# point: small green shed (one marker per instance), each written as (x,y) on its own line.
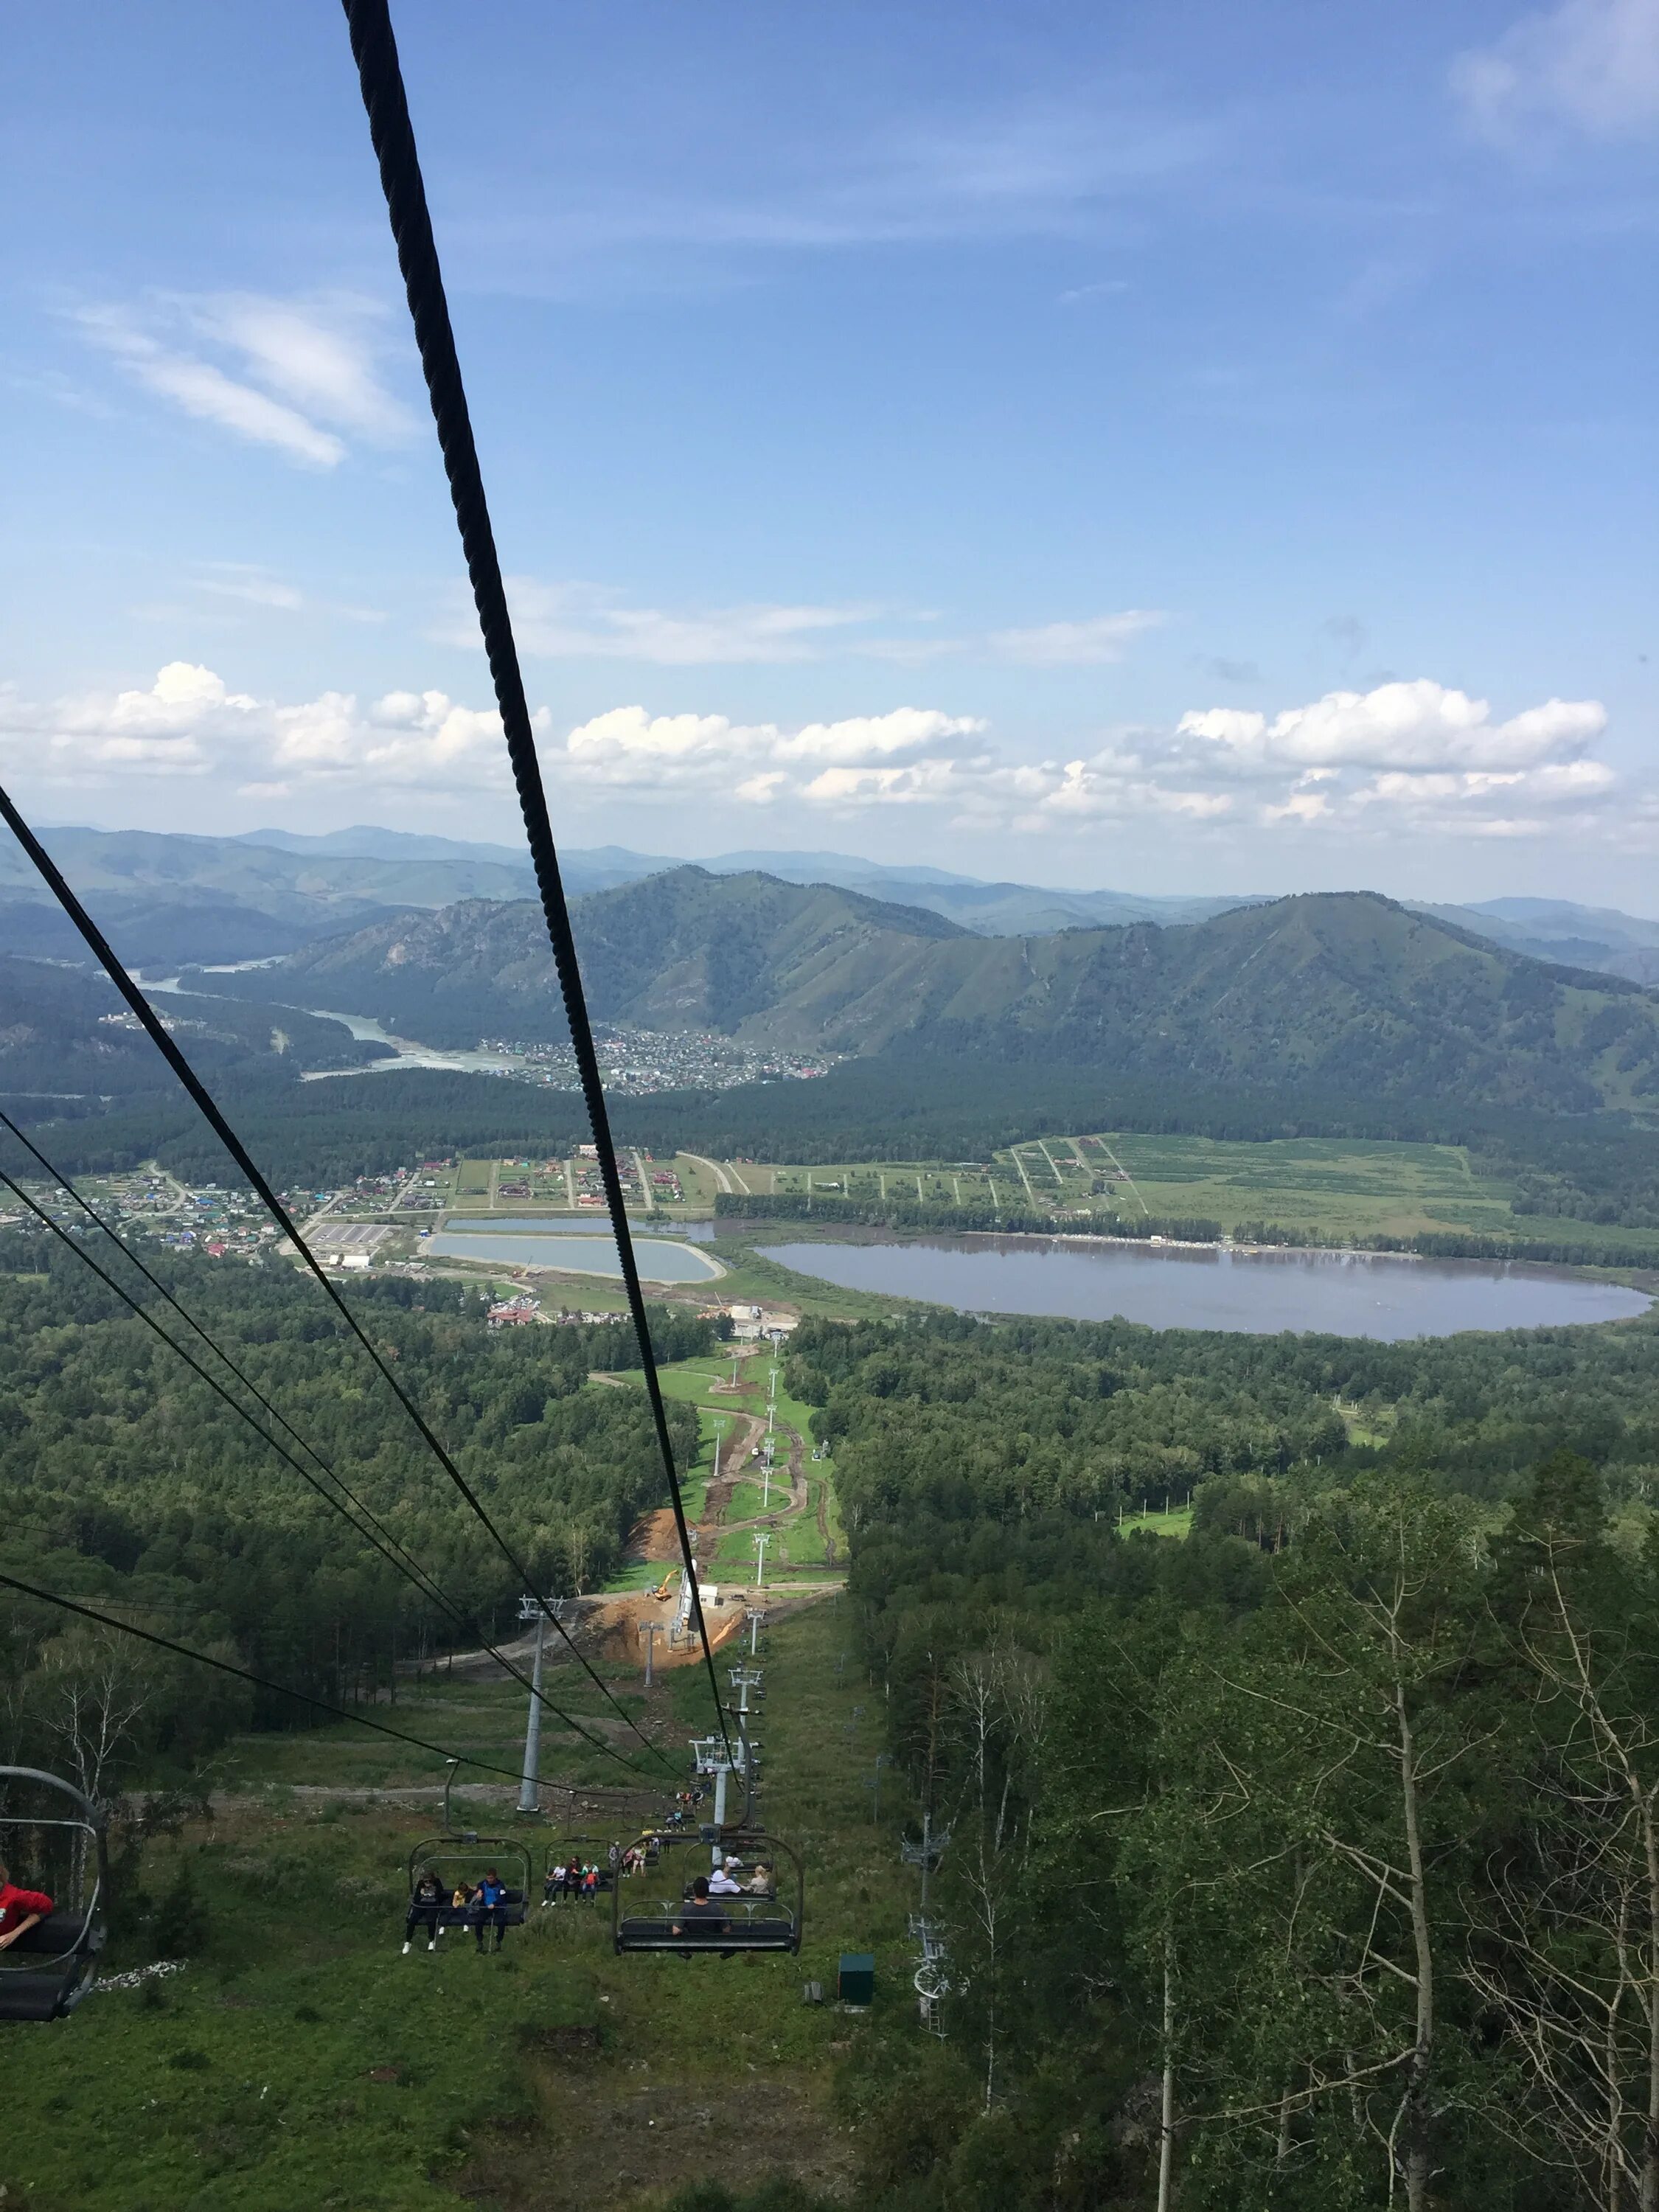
(856,1983)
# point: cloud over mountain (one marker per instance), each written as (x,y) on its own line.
(1404,758)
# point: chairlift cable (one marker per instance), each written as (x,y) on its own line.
(374,50)
(208,1107)
(244,1674)
(391,1550)
(79,1197)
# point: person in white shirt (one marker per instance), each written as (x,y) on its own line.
(721,1883)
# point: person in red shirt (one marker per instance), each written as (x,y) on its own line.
(19,1908)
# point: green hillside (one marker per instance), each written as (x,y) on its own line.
(687,949)
(1345,994)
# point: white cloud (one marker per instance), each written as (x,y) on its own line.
(318,354)
(188,723)
(299,367)
(625,195)
(256,590)
(1405,760)
(630,749)
(567,622)
(578,621)
(1076,644)
(1587,66)
(1418,724)
(254,587)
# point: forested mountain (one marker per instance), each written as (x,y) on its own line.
(686,950)
(168,899)
(1346,995)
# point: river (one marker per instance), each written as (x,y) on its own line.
(364,1029)
(1185,1286)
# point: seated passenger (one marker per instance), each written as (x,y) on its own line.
(426,1903)
(759,1883)
(720,1884)
(490,1899)
(698,1915)
(19,1908)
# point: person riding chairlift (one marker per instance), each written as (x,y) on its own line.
(699,1915)
(489,1903)
(721,1883)
(425,1907)
(20,1908)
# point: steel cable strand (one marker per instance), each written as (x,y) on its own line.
(208,1107)
(391,1550)
(58,1176)
(374,50)
(244,1674)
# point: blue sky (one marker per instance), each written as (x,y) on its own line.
(1171,446)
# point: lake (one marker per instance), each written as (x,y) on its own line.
(575,1254)
(1337,1293)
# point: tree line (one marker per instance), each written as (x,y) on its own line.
(131,1486)
(1312,1862)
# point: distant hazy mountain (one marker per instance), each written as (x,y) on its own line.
(987,909)
(1346,993)
(1575,936)
(596,869)
(165,900)
(169,899)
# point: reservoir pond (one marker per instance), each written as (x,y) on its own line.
(659,1261)
(1183,1287)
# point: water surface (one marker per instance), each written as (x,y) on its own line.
(659,1261)
(1338,1293)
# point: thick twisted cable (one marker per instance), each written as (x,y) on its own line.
(208,1107)
(374,49)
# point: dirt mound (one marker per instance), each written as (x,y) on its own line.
(654,1537)
(610,1628)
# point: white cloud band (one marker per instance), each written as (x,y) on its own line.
(1415,759)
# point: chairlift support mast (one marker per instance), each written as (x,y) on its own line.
(532,1608)
(926,1854)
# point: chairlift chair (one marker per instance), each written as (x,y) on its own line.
(467,1858)
(591,1851)
(770,1923)
(47,1971)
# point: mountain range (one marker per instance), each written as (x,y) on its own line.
(169,899)
(1344,994)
